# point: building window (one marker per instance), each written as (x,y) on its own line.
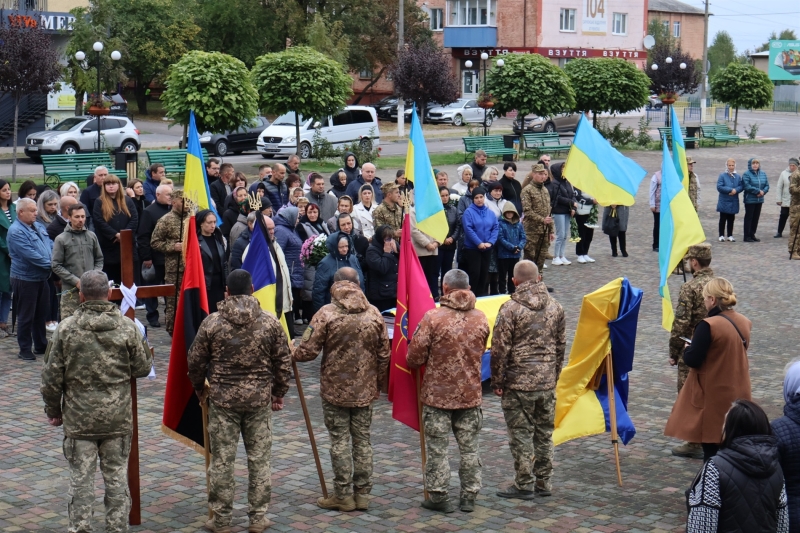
(619,25)
(676,29)
(666,25)
(566,22)
(562,61)
(365,74)
(437,19)
(471,13)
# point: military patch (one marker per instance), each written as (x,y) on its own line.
(680,312)
(308,332)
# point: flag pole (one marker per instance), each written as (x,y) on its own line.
(207,452)
(612,412)
(421,430)
(310,430)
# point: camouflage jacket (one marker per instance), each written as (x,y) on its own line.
(693,188)
(355,347)
(166,234)
(535,208)
(387,216)
(794,188)
(243,352)
(451,340)
(528,341)
(88,368)
(689,312)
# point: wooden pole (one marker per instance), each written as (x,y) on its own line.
(310,430)
(612,412)
(204,408)
(421,430)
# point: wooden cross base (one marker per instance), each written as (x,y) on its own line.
(150,291)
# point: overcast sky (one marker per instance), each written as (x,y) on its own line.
(750,22)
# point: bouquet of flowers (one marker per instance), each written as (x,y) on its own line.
(574,236)
(592,221)
(454,198)
(313,250)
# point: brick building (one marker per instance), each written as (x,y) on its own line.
(684,23)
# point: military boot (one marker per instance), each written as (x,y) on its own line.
(467,504)
(692,450)
(515,493)
(259,526)
(444,506)
(542,487)
(346,504)
(362,501)
(216,529)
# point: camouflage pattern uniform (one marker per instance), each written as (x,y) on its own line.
(86,382)
(693,188)
(794,214)
(74,252)
(244,354)
(535,208)
(451,340)
(388,216)
(528,345)
(168,232)
(691,309)
(351,335)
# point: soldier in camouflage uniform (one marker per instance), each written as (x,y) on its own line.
(168,239)
(243,352)
(86,387)
(794,215)
(690,311)
(537,220)
(528,347)
(390,212)
(694,185)
(351,335)
(451,340)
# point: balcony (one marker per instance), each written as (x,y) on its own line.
(470,36)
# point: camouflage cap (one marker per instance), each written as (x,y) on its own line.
(690,160)
(538,167)
(176,194)
(386,188)
(700,251)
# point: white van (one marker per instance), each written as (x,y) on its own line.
(355,123)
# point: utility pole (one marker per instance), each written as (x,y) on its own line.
(705,66)
(401,108)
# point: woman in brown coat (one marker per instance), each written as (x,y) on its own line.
(718,370)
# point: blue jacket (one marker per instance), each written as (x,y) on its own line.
(479,225)
(754,181)
(355,185)
(238,248)
(290,242)
(787,430)
(725,184)
(150,185)
(510,235)
(31,251)
(323,279)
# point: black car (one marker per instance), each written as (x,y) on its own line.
(242,140)
(384,107)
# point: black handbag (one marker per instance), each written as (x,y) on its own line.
(611,224)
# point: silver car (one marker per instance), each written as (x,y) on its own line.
(460,112)
(560,122)
(79,134)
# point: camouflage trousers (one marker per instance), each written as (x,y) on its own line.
(794,222)
(70,300)
(536,250)
(683,373)
(352,466)
(530,417)
(466,425)
(82,458)
(170,302)
(224,428)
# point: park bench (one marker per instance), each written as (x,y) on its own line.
(61,168)
(491,144)
(666,134)
(174,161)
(719,132)
(545,142)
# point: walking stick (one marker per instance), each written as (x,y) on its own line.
(612,411)
(421,431)
(207,451)
(310,430)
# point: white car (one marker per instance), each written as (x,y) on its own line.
(354,124)
(74,135)
(460,112)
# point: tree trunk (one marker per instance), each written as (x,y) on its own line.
(78,104)
(735,120)
(594,119)
(14,149)
(140,92)
(297,131)
(185,136)
(369,86)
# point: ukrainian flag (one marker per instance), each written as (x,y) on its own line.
(599,170)
(680,228)
(679,150)
(195,186)
(431,219)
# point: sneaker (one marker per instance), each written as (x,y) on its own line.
(444,506)
(545,265)
(27,356)
(346,504)
(588,259)
(298,321)
(518,494)
(565,261)
(541,488)
(467,505)
(777,236)
(692,450)
(557,262)
(51,326)
(581,260)
(362,501)
(721,238)
(3,333)
(209,525)
(731,239)
(259,526)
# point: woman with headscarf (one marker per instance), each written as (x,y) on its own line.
(113,212)
(787,431)
(310,224)
(338,184)
(464,177)
(235,210)
(212,251)
(341,253)
(350,169)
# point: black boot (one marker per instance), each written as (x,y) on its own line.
(444,506)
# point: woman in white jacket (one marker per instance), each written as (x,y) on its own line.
(784,197)
(362,211)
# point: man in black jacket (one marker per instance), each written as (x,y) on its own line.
(148,256)
(92,193)
(221,188)
(56,227)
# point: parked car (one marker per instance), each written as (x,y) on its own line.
(653,101)
(460,112)
(79,134)
(383,107)
(409,107)
(354,124)
(561,122)
(242,140)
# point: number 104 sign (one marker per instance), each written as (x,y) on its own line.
(594,17)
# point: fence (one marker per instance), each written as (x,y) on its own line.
(713,114)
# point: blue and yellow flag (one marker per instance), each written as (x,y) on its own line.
(680,228)
(195,185)
(599,170)
(679,150)
(431,219)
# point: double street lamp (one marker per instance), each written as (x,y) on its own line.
(81,57)
(484,59)
(654,67)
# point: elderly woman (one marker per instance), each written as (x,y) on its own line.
(480,235)
(464,176)
(69,188)
(729,187)
(362,211)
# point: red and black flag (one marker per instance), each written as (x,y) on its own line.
(183,419)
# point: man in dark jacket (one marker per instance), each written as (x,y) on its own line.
(327,203)
(382,262)
(153,175)
(60,221)
(221,188)
(92,193)
(212,169)
(367,176)
(274,183)
(149,257)
(478,165)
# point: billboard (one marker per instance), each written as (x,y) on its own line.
(784,60)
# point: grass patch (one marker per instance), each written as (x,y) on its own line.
(399,161)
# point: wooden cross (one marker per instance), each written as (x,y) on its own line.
(149,291)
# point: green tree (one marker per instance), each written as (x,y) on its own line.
(329,39)
(302,80)
(742,86)
(607,85)
(785,35)
(721,53)
(216,86)
(529,83)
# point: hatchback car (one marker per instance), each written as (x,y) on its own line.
(535,124)
(79,134)
(460,112)
(242,140)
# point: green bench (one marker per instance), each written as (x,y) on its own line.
(61,168)
(491,144)
(174,161)
(545,142)
(719,132)
(666,133)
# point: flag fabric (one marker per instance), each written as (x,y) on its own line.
(427,203)
(607,323)
(680,228)
(599,170)
(679,150)
(182,419)
(195,184)
(414,299)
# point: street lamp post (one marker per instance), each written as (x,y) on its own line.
(655,67)
(484,59)
(81,57)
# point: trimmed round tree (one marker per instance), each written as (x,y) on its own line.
(741,85)
(302,80)
(215,86)
(670,79)
(529,83)
(607,85)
